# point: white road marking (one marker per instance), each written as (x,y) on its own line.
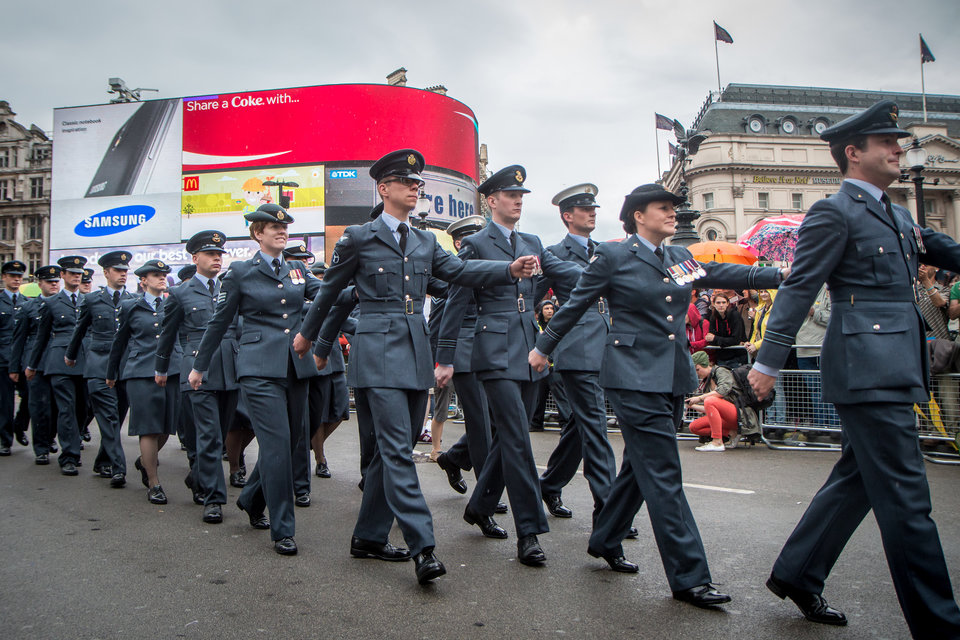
(691,485)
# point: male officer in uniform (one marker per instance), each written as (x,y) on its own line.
(471,450)
(10,301)
(390,359)
(867,250)
(505,331)
(84,406)
(186,313)
(577,359)
(39,396)
(100,317)
(57,322)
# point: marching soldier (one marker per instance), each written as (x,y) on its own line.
(132,359)
(99,318)
(10,301)
(40,398)
(58,319)
(390,359)
(187,311)
(867,250)
(505,328)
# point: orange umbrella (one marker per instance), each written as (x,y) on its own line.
(714,251)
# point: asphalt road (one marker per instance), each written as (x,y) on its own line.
(82,560)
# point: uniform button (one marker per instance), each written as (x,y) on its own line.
(671,337)
(908,256)
(406,297)
(405,259)
(880,250)
(279,285)
(669,318)
(158,336)
(154,324)
(284,315)
(669,298)
(283,301)
(380,269)
(876,327)
(406,277)
(616,342)
(666,279)
(286,330)
(154,313)
(901,236)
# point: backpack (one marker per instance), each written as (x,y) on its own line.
(746,396)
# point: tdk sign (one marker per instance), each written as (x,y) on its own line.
(114,220)
(343,173)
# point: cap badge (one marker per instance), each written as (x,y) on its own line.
(123,256)
(279,215)
(76,261)
(519,176)
(160,264)
(215,237)
(411,159)
(893,115)
(303,247)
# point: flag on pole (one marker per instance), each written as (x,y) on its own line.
(722,34)
(663,122)
(925,54)
(674,149)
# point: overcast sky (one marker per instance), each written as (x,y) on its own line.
(567,89)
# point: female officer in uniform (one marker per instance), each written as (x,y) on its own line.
(646,372)
(268,293)
(153,415)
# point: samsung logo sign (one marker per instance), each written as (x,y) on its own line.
(114,220)
(343,173)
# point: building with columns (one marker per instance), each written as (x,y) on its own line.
(25,171)
(763,156)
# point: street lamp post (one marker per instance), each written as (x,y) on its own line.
(686,234)
(916,158)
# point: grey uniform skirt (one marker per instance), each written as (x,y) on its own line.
(153,409)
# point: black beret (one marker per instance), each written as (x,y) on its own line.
(187,272)
(644,194)
(153,266)
(47,272)
(580,195)
(115,259)
(405,163)
(209,240)
(269,213)
(507,179)
(13,268)
(879,119)
(73,264)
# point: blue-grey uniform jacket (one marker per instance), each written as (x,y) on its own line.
(27,322)
(341,319)
(582,348)
(8,314)
(134,351)
(506,325)
(646,349)
(391,348)
(270,308)
(186,313)
(874,348)
(58,319)
(99,320)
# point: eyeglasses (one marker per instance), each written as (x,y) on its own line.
(407,182)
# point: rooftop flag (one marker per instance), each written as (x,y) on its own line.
(722,34)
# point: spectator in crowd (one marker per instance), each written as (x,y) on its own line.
(726,332)
(760,320)
(809,338)
(701,298)
(719,421)
(552,383)
(934,302)
(697,329)
(747,307)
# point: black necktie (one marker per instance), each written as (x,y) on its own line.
(116,298)
(276,266)
(212,287)
(513,241)
(156,303)
(403,230)
(885,201)
(591,246)
(659,253)
(73,298)
(14,299)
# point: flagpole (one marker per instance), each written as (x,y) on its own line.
(656,138)
(716,51)
(923,90)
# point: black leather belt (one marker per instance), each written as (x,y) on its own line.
(408,307)
(496,306)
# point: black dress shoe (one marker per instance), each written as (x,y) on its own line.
(556,508)
(69,469)
(156,495)
(53,447)
(487,525)
(632,534)
(618,563)
(4,451)
(237,480)
(104,471)
(43,458)
(427,566)
(454,477)
(500,508)
(257,520)
(85,435)
(285,547)
(812,605)
(360,484)
(704,596)
(302,501)
(212,513)
(118,481)
(22,439)
(529,551)
(323,471)
(144,478)
(381,551)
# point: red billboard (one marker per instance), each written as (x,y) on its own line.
(328,123)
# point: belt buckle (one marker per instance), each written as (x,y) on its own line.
(601,305)
(408,307)
(521,305)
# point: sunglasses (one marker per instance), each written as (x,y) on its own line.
(407,182)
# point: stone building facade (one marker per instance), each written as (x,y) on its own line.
(763,155)
(25,175)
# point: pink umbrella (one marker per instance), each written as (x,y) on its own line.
(785,220)
(774,238)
